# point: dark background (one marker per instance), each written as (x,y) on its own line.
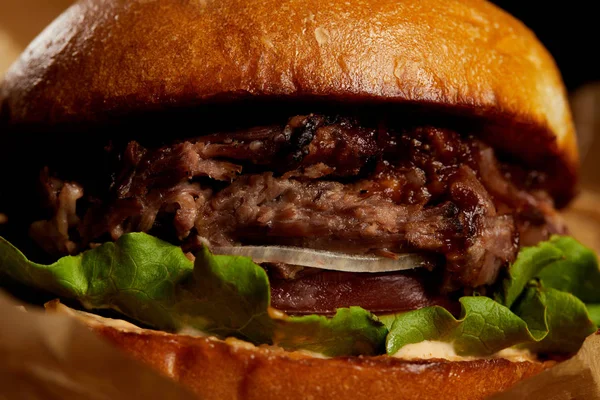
(569,29)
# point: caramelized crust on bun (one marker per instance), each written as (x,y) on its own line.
(233,369)
(465,58)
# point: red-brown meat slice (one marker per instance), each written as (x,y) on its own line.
(323,292)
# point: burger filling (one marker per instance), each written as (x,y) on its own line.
(320,183)
(437,211)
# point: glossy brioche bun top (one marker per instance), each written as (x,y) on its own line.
(465,58)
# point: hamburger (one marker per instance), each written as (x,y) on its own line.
(300,199)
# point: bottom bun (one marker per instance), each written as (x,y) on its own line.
(233,369)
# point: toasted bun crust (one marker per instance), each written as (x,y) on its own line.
(219,370)
(463,57)
(233,369)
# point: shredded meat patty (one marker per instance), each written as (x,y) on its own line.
(323,183)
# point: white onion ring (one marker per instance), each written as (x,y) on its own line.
(323,259)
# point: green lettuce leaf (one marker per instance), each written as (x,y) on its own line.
(544,320)
(138,276)
(352,331)
(594,313)
(560,263)
(388,320)
(483,328)
(577,271)
(227,296)
(153,282)
(529,263)
(561,319)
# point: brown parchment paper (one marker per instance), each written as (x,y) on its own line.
(51,356)
(577,378)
